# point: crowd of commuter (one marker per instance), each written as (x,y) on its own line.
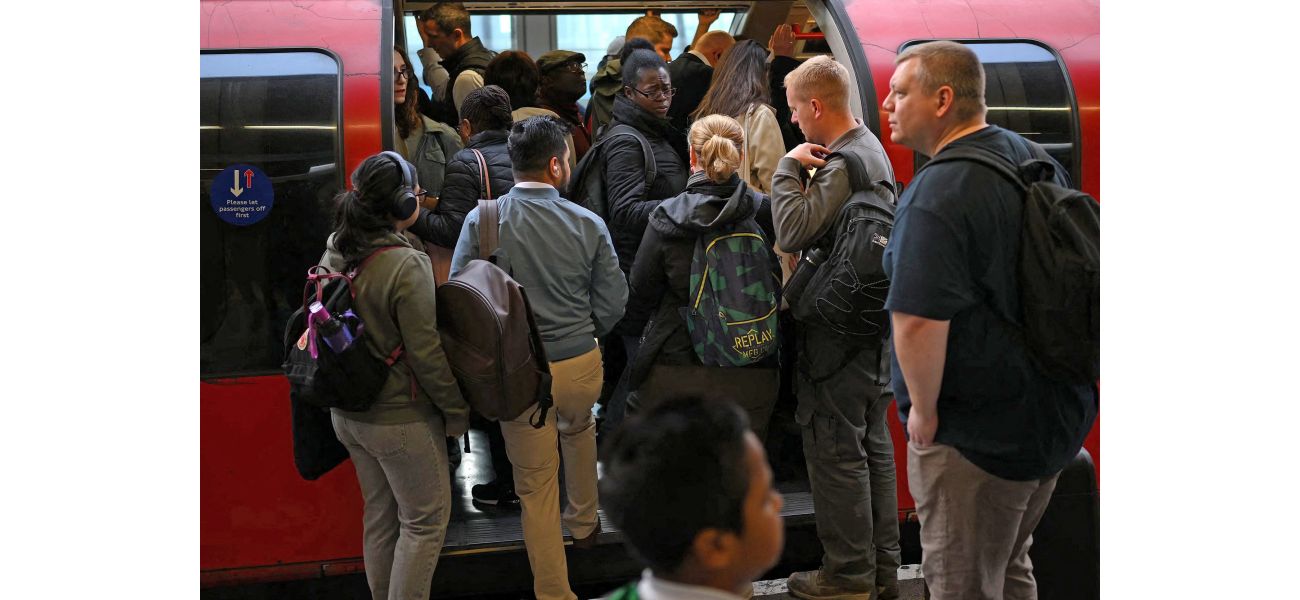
(741,138)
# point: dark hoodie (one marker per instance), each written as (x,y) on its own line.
(660,279)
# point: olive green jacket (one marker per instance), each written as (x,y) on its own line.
(395,299)
(429,148)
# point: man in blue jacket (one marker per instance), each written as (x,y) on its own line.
(562,254)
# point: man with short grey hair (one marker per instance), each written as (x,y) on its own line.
(988,433)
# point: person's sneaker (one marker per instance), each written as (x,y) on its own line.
(809,586)
(494,494)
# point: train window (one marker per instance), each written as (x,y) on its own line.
(1028,91)
(278,111)
(497,32)
(591,34)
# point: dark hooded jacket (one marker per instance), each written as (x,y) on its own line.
(630,202)
(462,187)
(660,280)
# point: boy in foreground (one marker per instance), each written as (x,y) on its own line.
(690,487)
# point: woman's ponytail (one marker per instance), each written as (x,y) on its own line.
(717,141)
(362,213)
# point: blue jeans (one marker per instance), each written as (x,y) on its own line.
(402,470)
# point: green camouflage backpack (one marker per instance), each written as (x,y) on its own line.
(732,317)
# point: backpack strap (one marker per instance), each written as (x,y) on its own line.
(651,167)
(858,179)
(489,229)
(997,163)
(859,176)
(365,261)
(483,172)
(544,398)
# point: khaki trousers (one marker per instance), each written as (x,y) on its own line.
(976,528)
(575,388)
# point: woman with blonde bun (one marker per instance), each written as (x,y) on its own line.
(716,198)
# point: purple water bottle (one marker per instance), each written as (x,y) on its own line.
(334,332)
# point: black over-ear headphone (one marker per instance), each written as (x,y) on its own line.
(404,201)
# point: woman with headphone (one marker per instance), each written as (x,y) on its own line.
(398,446)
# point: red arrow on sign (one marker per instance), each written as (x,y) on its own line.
(248,178)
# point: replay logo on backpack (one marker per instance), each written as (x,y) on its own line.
(242,195)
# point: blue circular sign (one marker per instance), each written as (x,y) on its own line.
(242,195)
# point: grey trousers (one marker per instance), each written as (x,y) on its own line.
(402,470)
(850,456)
(976,528)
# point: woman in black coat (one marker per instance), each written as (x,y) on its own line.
(484,127)
(647,94)
(643,106)
(716,198)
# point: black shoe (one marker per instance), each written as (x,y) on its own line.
(493,494)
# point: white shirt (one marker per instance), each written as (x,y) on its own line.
(702,57)
(654,588)
(533,184)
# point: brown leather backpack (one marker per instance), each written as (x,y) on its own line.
(491,339)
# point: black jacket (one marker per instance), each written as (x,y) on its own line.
(659,284)
(462,187)
(470,57)
(628,201)
(691,77)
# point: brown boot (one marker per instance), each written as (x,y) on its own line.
(810,586)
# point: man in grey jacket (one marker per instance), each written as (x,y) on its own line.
(841,408)
(562,254)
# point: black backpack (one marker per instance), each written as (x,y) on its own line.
(840,285)
(587,185)
(1059,267)
(318,376)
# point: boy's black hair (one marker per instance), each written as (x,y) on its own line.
(640,60)
(672,472)
(533,141)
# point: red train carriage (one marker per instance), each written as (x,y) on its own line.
(299,90)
